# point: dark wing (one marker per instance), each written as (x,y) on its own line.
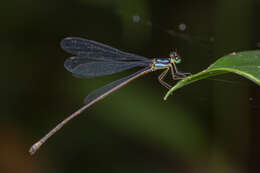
(83,67)
(94,50)
(100,93)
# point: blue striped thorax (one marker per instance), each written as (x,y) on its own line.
(161,63)
(162,60)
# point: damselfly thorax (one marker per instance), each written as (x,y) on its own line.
(168,64)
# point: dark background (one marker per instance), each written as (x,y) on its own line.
(209,126)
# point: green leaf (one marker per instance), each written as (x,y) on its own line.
(246,64)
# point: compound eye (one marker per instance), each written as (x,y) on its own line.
(177,59)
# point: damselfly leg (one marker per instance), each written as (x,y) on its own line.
(177,75)
(161,79)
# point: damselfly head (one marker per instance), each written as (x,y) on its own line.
(175,58)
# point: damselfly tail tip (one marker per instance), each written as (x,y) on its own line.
(32,151)
(35,147)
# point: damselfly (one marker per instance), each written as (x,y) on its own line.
(94,59)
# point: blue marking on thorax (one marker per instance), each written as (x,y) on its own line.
(162,61)
(160,65)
